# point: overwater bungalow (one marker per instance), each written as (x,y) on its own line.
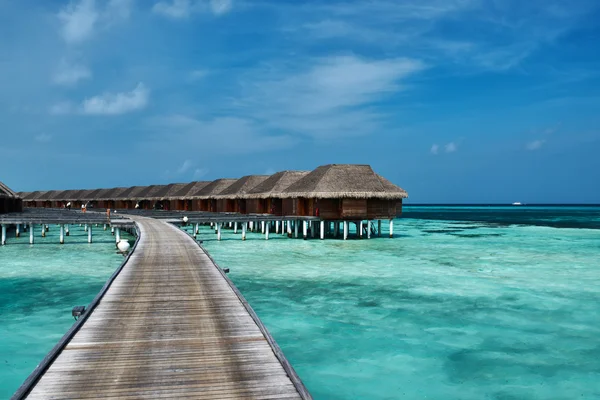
(232,198)
(9,200)
(206,197)
(183,198)
(127,199)
(343,192)
(265,197)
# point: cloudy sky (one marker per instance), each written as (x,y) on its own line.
(454,100)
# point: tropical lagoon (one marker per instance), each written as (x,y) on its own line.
(463,303)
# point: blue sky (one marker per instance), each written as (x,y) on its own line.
(455,101)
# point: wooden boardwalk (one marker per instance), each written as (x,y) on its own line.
(170,326)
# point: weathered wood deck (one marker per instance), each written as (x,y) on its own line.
(170,326)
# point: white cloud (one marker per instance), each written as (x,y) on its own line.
(223,135)
(435,149)
(43,138)
(119,103)
(78,20)
(187,164)
(198,74)
(332,97)
(536,144)
(175,9)
(450,147)
(200,172)
(220,7)
(61,108)
(70,74)
(180,9)
(118,9)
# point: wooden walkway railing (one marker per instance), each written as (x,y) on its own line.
(171,325)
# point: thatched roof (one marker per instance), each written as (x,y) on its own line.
(38,195)
(110,194)
(90,194)
(56,194)
(212,189)
(275,184)
(145,193)
(6,192)
(23,195)
(186,191)
(131,193)
(390,187)
(239,188)
(337,181)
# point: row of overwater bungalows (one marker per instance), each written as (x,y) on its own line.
(331,192)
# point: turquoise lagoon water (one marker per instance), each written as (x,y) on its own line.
(463,303)
(39,285)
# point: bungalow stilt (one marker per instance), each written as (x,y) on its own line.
(3,242)
(62,234)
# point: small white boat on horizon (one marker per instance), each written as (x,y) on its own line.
(516,203)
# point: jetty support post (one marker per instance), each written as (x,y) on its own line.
(219,225)
(18,230)
(62,234)
(112,230)
(90,233)
(66,229)
(267,230)
(360,230)
(244,230)
(379,227)
(104,226)
(304,229)
(235,227)
(276,227)
(85,227)
(289,227)
(262,226)
(369,229)
(196,229)
(43,230)
(345,230)
(391,228)
(31,233)
(322,230)
(296,229)
(3,235)
(117,235)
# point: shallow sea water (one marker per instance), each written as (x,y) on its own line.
(448,309)
(39,285)
(481,303)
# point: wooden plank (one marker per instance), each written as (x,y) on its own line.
(171,325)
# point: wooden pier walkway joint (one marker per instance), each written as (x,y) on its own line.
(170,325)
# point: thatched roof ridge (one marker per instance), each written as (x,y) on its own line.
(239,188)
(336,181)
(74,195)
(110,194)
(275,184)
(188,190)
(212,189)
(5,192)
(24,195)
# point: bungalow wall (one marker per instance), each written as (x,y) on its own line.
(328,208)
(354,209)
(8,205)
(382,209)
